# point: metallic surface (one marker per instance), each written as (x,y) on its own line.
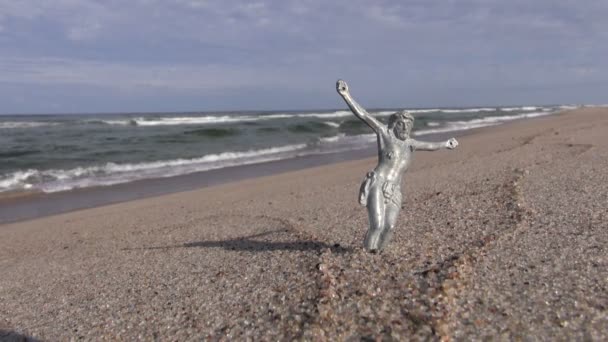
(381,188)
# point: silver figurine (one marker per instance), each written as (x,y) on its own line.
(381,189)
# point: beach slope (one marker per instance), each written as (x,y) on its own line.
(504,237)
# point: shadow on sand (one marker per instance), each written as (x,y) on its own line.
(247,243)
(11,336)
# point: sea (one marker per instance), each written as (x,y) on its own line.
(54,153)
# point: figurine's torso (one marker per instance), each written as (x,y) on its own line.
(394,156)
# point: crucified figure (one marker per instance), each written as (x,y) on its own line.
(381,189)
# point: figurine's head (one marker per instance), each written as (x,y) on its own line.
(401,124)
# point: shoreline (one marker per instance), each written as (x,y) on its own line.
(23,206)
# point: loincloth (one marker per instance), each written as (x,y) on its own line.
(391,191)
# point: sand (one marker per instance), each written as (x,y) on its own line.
(505,237)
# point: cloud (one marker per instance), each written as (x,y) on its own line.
(79,20)
(56,71)
(434,49)
(84,31)
(386,16)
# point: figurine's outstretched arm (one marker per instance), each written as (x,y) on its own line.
(434,146)
(359,111)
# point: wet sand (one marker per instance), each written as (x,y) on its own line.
(505,237)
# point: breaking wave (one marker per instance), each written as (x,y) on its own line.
(25,124)
(520,109)
(468,110)
(28,165)
(214,119)
(476,123)
(54,180)
(332,124)
(473,110)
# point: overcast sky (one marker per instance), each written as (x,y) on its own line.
(185,55)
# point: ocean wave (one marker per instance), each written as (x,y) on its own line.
(519,109)
(337,114)
(332,124)
(25,124)
(474,110)
(313,127)
(17,180)
(352,141)
(222,119)
(189,120)
(196,120)
(333,139)
(480,122)
(451,128)
(423,111)
(213,132)
(113,122)
(215,119)
(54,180)
(469,110)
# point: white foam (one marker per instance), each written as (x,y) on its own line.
(422,111)
(17,180)
(54,180)
(115,122)
(193,120)
(332,124)
(25,124)
(337,114)
(333,139)
(522,109)
(529,108)
(480,122)
(468,110)
(330,139)
(214,119)
(196,120)
(475,110)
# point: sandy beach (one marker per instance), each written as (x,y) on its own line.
(504,238)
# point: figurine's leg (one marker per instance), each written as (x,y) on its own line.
(375,211)
(392,212)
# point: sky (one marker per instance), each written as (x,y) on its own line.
(81,56)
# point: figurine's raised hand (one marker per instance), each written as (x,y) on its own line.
(342,87)
(451,144)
